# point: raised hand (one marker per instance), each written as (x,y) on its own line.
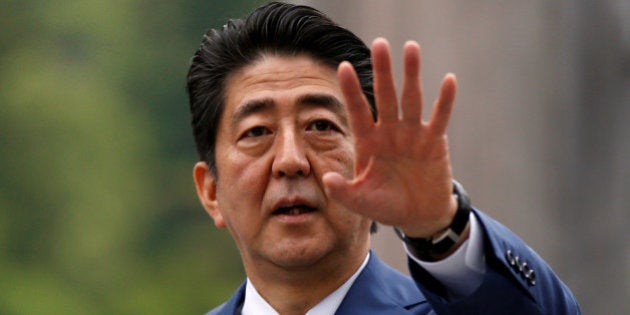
(402,173)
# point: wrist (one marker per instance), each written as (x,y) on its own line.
(447,240)
(431,256)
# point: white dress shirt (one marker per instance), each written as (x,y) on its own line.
(461,273)
(254,304)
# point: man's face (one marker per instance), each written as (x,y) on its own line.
(284,126)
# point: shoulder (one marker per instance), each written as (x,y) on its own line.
(231,306)
(217,310)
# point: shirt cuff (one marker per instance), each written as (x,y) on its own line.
(462,272)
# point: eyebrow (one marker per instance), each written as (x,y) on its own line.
(251,107)
(312,100)
(326,101)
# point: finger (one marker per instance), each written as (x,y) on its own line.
(443,105)
(355,194)
(336,187)
(384,87)
(358,107)
(359,114)
(344,191)
(411,99)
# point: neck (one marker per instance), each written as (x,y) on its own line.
(295,291)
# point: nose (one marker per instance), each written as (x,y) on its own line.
(290,156)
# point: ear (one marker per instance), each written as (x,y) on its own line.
(206,185)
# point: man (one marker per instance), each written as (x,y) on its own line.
(304,144)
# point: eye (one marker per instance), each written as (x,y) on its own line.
(256,132)
(322,125)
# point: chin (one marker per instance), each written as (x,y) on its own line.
(297,256)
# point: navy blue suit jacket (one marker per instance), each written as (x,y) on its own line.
(517,281)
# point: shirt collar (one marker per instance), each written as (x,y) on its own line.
(255,304)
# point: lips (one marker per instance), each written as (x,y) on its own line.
(293,206)
(296,209)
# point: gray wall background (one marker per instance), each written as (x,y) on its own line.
(540,130)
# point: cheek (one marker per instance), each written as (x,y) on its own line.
(239,197)
(241,182)
(341,160)
(241,169)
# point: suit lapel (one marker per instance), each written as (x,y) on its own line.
(232,306)
(379,289)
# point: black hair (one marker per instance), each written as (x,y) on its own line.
(274,28)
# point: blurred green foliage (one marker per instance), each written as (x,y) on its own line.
(98,213)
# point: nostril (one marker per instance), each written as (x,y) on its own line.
(291,174)
(290,167)
(290,158)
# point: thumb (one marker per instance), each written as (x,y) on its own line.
(345,192)
(337,187)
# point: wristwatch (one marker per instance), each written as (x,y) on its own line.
(442,241)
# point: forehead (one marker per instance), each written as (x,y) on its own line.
(279,78)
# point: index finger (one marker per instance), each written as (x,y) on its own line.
(441,113)
(359,114)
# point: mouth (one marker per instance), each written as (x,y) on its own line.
(297,209)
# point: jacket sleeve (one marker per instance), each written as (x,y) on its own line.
(517,280)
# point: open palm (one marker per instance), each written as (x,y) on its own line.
(402,171)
